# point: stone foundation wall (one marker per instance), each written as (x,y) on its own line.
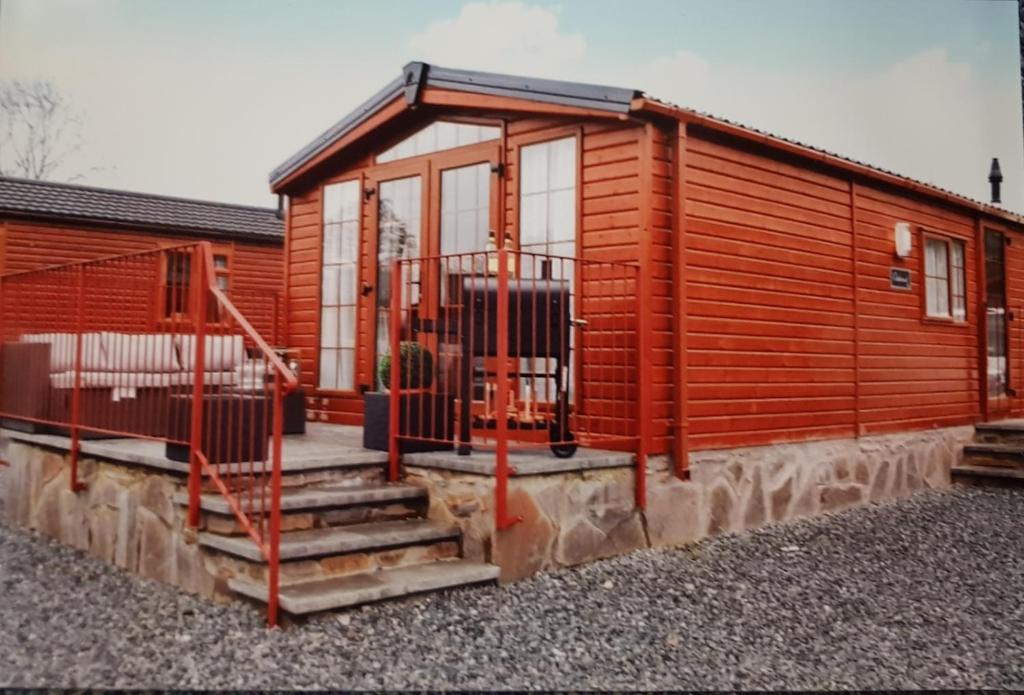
(126,515)
(572,518)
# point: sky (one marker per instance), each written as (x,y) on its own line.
(202,98)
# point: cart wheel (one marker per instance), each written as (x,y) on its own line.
(564,451)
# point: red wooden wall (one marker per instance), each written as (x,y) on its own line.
(256,268)
(792,330)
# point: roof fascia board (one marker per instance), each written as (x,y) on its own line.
(642,104)
(437,96)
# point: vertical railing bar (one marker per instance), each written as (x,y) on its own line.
(395,391)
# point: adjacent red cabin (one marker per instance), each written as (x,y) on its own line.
(46,224)
(788,294)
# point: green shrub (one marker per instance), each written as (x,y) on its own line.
(416,367)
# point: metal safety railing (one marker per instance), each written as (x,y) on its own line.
(148,346)
(513,350)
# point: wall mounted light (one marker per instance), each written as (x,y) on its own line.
(903,239)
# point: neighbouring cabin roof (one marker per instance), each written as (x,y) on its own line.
(615,100)
(45,200)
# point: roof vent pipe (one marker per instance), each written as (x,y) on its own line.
(280,206)
(995,177)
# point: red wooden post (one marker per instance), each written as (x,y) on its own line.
(645,397)
(76,394)
(273,560)
(199,311)
(394,455)
(501,398)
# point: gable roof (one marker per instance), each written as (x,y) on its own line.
(47,200)
(613,100)
(416,76)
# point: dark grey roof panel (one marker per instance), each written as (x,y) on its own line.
(579,94)
(45,199)
(614,99)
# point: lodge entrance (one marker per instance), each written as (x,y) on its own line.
(997,317)
(437,204)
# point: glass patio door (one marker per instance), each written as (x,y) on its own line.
(399,235)
(996,315)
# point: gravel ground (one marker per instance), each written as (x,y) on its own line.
(924,593)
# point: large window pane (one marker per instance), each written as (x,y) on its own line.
(338,291)
(438,136)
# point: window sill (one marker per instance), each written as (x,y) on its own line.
(944,321)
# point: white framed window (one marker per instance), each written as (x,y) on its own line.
(339,286)
(547,197)
(438,136)
(944,279)
(547,227)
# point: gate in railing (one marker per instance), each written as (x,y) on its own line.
(148,346)
(514,349)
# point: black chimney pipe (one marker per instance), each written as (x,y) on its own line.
(995,177)
(280,206)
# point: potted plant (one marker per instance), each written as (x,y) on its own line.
(424,414)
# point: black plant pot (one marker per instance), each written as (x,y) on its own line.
(422,415)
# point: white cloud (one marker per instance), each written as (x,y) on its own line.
(927,116)
(499,36)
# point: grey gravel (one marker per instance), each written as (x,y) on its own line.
(924,593)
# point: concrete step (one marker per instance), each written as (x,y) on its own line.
(301,598)
(987,475)
(337,540)
(1000,431)
(319,497)
(1008,454)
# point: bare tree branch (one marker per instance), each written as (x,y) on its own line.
(39,130)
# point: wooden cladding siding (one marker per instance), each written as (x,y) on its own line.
(256,268)
(793,329)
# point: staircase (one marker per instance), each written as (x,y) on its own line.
(995,457)
(345,541)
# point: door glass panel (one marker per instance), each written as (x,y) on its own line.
(995,315)
(340,256)
(465,208)
(399,228)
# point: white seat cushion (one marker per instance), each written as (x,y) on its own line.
(62,350)
(134,352)
(66,380)
(221,353)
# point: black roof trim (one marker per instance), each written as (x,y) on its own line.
(577,94)
(48,200)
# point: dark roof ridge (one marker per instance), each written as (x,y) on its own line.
(138,194)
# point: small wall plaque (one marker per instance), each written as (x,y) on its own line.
(899,278)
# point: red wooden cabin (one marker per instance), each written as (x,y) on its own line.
(46,224)
(777,306)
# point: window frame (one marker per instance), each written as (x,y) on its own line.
(950,242)
(360,180)
(166,317)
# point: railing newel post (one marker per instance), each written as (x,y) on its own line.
(501,397)
(198,281)
(76,393)
(274,561)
